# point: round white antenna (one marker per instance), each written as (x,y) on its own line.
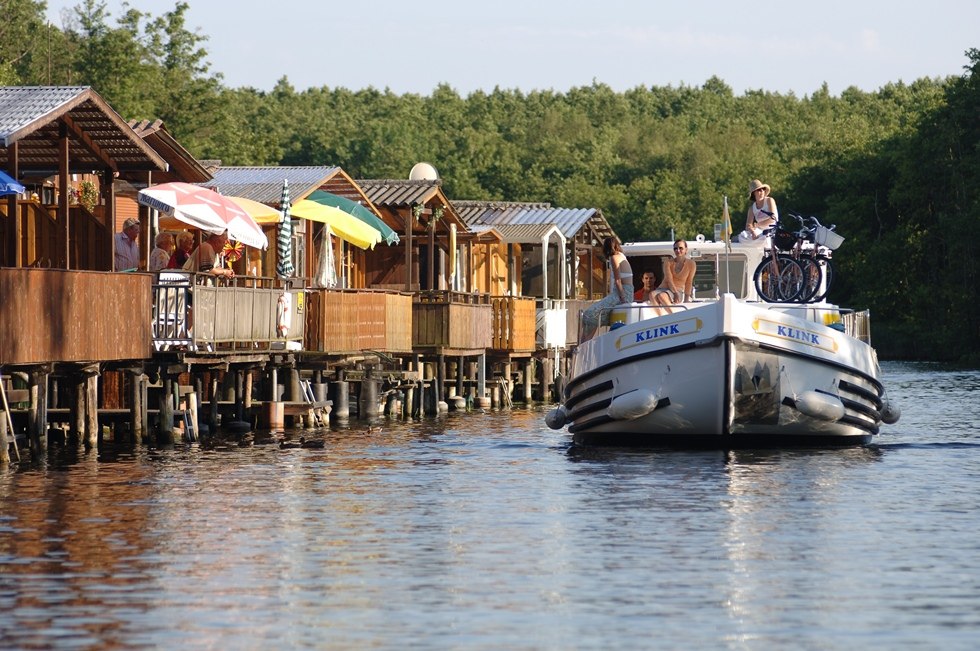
(423,172)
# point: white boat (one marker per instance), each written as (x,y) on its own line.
(724,369)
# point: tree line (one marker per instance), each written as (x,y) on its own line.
(895,169)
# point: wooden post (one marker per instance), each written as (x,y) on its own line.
(247,397)
(213,416)
(136,406)
(528,380)
(91,411)
(165,423)
(547,374)
(4,443)
(38,421)
(144,411)
(76,414)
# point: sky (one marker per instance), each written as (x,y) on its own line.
(412,47)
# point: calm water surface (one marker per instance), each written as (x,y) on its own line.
(490,531)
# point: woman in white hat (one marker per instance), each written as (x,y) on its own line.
(762,211)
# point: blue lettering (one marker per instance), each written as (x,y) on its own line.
(793,333)
(663,331)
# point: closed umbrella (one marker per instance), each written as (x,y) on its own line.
(9,185)
(284,240)
(326,274)
(388,236)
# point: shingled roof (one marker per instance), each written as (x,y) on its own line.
(31,118)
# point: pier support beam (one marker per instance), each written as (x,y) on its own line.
(37,427)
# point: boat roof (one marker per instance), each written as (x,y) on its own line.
(695,248)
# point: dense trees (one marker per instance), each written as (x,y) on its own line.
(895,169)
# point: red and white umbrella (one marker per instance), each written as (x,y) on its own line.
(205,209)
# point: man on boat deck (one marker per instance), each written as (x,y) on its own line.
(127,255)
(649,284)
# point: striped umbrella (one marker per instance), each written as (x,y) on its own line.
(284,240)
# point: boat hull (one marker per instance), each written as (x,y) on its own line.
(724,374)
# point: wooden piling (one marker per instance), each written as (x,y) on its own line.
(4,443)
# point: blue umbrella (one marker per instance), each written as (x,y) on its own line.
(357,210)
(284,241)
(9,185)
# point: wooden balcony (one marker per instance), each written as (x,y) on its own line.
(190,310)
(451,323)
(513,324)
(54,315)
(349,321)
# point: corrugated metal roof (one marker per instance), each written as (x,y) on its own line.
(98,137)
(264,184)
(519,233)
(398,192)
(568,220)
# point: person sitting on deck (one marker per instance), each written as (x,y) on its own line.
(205,258)
(620,288)
(643,294)
(127,246)
(678,284)
(762,212)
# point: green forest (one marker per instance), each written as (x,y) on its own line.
(895,169)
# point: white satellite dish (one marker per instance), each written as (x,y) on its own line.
(423,172)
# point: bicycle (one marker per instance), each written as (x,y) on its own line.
(813,250)
(779,277)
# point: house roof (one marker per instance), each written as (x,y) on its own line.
(570,221)
(264,184)
(398,192)
(404,193)
(32,117)
(518,233)
(183,166)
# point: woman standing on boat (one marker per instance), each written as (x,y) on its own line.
(762,211)
(620,288)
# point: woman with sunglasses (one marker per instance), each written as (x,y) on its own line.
(678,283)
(762,211)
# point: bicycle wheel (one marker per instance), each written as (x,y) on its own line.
(765,280)
(827,271)
(812,277)
(779,280)
(790,279)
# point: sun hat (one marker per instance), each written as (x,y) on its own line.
(130,222)
(756,184)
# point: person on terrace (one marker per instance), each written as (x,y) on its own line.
(620,288)
(762,211)
(185,244)
(160,256)
(127,246)
(205,258)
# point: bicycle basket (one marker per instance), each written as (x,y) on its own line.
(783,240)
(828,238)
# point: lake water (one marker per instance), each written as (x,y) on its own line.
(490,531)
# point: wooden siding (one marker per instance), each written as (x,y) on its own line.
(514,322)
(451,322)
(353,321)
(53,315)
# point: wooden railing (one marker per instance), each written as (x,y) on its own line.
(53,315)
(193,310)
(513,324)
(451,322)
(346,321)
